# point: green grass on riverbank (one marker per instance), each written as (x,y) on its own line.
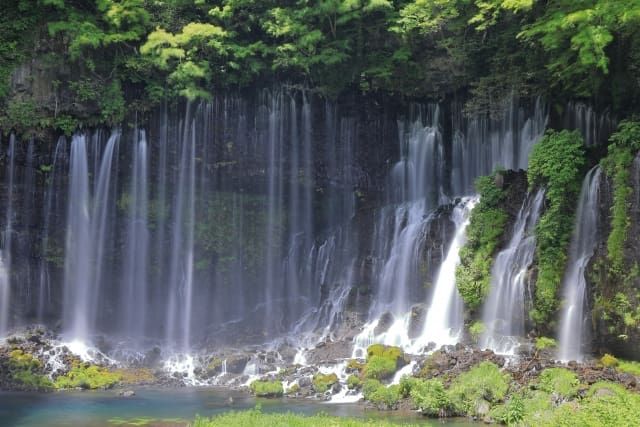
(256,418)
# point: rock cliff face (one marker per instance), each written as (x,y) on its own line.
(613,295)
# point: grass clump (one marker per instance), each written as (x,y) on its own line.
(483,382)
(267,388)
(87,376)
(487,222)
(431,398)
(629,367)
(255,418)
(559,381)
(606,404)
(384,397)
(323,382)
(556,162)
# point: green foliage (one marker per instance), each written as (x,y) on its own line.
(606,404)
(255,418)
(577,35)
(624,144)
(430,397)
(556,163)
(87,376)
(512,412)
(267,388)
(354,382)
(369,387)
(483,382)
(476,330)
(382,361)
(609,361)
(629,367)
(25,371)
(544,343)
(384,397)
(488,218)
(323,382)
(379,367)
(559,381)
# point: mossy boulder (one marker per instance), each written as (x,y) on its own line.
(383,361)
(24,372)
(267,388)
(88,376)
(323,382)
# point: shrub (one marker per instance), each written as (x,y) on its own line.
(544,343)
(385,397)
(407,383)
(354,382)
(476,330)
(560,381)
(87,376)
(323,382)
(369,387)
(483,382)
(556,163)
(609,361)
(266,388)
(430,397)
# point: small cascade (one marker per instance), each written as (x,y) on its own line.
(504,313)
(136,262)
(6,241)
(573,329)
(445,314)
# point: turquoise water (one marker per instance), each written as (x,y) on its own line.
(167,407)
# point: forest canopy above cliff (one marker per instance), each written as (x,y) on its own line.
(102,59)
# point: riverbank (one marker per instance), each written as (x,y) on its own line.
(454,381)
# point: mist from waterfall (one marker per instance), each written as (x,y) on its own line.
(505,313)
(573,331)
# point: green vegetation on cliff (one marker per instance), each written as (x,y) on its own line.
(556,163)
(486,227)
(98,60)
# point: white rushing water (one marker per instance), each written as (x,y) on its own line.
(504,312)
(572,321)
(444,322)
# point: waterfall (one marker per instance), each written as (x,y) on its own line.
(87,235)
(445,314)
(180,299)
(572,320)
(51,207)
(504,313)
(594,127)
(481,144)
(7,236)
(136,261)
